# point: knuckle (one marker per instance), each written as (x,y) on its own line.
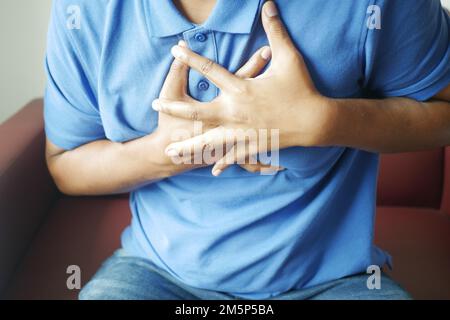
(242,87)
(163,108)
(244,72)
(253,67)
(254,61)
(193,115)
(277,29)
(237,116)
(206,67)
(176,66)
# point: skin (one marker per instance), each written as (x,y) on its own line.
(304,117)
(87,169)
(196,11)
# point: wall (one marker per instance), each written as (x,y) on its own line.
(446,3)
(23,28)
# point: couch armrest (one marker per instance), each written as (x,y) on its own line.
(26,189)
(446,188)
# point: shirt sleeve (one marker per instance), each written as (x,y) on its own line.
(409,56)
(71,110)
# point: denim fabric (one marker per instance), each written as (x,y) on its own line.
(126,277)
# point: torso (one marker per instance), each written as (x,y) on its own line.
(241,233)
(196,11)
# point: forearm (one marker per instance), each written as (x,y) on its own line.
(389,125)
(105,167)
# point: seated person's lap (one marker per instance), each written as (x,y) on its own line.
(125,277)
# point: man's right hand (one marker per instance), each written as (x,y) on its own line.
(175,88)
(106,167)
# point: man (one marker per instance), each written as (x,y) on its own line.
(198,232)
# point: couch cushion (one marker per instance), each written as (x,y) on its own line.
(23,176)
(85,231)
(419,242)
(446,188)
(411,179)
(78,231)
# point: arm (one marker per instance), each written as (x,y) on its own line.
(409,53)
(303,116)
(391,125)
(105,167)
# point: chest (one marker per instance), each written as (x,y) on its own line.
(196,11)
(134,64)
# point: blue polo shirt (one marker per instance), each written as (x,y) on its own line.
(249,235)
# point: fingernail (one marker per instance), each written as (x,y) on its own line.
(172,153)
(271,9)
(156,106)
(182,43)
(266,53)
(178,52)
(217,172)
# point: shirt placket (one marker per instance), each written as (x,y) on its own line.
(201,41)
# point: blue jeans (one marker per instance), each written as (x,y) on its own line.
(125,277)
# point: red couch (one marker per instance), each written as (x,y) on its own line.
(43,232)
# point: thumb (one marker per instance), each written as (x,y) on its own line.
(279,39)
(176,81)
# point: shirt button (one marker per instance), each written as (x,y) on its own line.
(200,37)
(203,85)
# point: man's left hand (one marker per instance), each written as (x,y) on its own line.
(283,98)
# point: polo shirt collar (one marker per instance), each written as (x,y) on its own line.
(228,16)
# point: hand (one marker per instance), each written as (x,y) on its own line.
(174,88)
(283,98)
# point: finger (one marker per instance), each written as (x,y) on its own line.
(256,64)
(190,110)
(236,155)
(258,168)
(277,34)
(242,152)
(252,168)
(226,163)
(218,75)
(176,80)
(213,139)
